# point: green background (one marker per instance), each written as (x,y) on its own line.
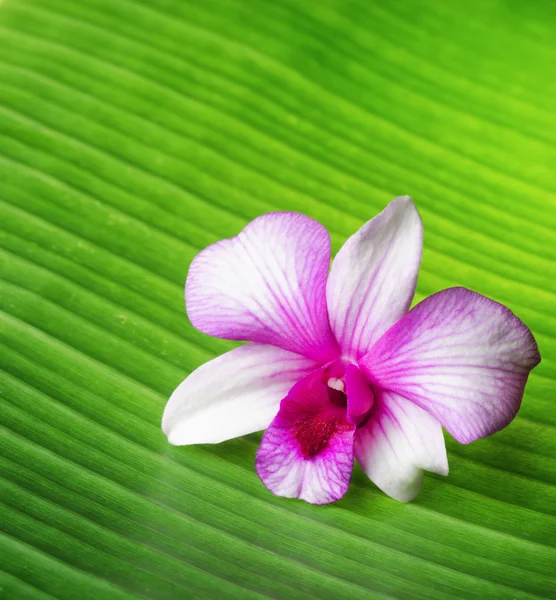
(133,133)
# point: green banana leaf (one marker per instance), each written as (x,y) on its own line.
(133,133)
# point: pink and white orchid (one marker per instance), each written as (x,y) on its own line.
(337,366)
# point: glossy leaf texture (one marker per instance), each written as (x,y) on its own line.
(133,133)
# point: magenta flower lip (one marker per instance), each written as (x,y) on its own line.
(337,366)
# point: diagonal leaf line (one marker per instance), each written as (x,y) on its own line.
(21,509)
(511,444)
(227,40)
(40,76)
(410,51)
(523,101)
(419,558)
(36,120)
(169,507)
(88,320)
(354,50)
(212,148)
(112,532)
(104,30)
(104,298)
(361,54)
(167,233)
(39,218)
(5,575)
(479,28)
(166,152)
(125,70)
(101,150)
(392,549)
(209,351)
(26,167)
(200,341)
(157,530)
(536,478)
(71,567)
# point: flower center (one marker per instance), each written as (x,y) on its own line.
(336,392)
(317,410)
(314,432)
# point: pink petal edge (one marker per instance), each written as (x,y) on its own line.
(460,356)
(266,285)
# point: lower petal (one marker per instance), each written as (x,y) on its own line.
(307,451)
(397,443)
(286,472)
(233,395)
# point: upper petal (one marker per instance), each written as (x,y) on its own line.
(373,277)
(307,451)
(462,357)
(397,443)
(235,394)
(266,285)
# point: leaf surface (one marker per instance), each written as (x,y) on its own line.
(135,133)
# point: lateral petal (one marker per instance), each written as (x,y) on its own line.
(233,395)
(266,285)
(460,356)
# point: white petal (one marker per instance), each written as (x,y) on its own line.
(233,395)
(398,442)
(266,285)
(373,277)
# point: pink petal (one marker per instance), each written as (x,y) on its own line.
(307,451)
(462,357)
(373,277)
(266,285)
(232,395)
(397,443)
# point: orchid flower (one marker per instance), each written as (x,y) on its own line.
(337,366)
